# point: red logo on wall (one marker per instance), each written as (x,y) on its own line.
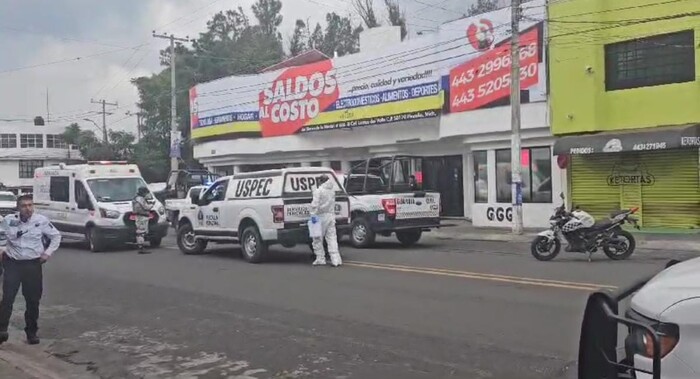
(296,97)
(480,34)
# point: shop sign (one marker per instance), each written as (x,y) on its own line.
(351,91)
(637,175)
(487,78)
(469,58)
(499,214)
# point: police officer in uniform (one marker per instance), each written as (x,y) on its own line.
(23,252)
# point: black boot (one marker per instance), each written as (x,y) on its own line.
(32,338)
(4,336)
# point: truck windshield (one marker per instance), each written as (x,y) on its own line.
(115,189)
(7,197)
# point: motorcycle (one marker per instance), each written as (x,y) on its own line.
(608,235)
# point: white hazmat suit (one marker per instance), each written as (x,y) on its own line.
(323,208)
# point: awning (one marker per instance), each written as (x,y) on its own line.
(662,138)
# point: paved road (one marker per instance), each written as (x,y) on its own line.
(442,309)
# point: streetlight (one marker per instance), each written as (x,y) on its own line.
(103,130)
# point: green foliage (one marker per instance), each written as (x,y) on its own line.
(482,6)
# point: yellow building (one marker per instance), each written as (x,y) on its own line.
(625,101)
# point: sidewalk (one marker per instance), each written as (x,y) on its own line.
(465,231)
(21,361)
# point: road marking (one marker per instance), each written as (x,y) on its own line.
(483,276)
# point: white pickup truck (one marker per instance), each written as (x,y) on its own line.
(8,203)
(386,198)
(173,207)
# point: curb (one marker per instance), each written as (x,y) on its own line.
(36,363)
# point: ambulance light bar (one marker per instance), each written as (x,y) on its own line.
(104,163)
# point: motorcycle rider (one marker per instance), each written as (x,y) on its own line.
(580,220)
(323,210)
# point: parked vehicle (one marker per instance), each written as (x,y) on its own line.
(608,235)
(173,207)
(180,182)
(386,198)
(8,203)
(661,324)
(256,210)
(92,202)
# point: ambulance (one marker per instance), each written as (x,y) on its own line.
(92,202)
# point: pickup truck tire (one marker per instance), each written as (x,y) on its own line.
(361,235)
(253,248)
(187,243)
(409,237)
(94,242)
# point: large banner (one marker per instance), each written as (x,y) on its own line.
(480,77)
(464,67)
(351,91)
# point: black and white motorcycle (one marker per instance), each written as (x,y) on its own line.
(608,235)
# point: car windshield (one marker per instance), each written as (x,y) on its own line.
(7,197)
(115,189)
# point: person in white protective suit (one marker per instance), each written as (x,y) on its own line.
(579,221)
(323,209)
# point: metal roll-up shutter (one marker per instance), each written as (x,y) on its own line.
(589,184)
(665,185)
(673,200)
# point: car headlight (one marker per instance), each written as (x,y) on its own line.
(161,210)
(108,213)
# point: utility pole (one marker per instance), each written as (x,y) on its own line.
(47,106)
(174,140)
(104,117)
(516,170)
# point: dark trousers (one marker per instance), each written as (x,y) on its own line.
(28,275)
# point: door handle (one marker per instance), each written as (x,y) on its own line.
(216,209)
(67,208)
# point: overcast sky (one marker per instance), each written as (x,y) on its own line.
(114,43)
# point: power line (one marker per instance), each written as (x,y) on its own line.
(15,69)
(64,38)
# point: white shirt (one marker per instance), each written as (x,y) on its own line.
(23,240)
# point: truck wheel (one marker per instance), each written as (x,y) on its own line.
(94,241)
(155,241)
(253,247)
(409,237)
(361,235)
(187,243)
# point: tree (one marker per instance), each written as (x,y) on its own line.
(120,147)
(300,39)
(365,9)
(268,14)
(396,16)
(482,6)
(316,38)
(340,36)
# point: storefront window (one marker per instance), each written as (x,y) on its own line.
(481,177)
(503,176)
(536,169)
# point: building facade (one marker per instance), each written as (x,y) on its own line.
(443,97)
(23,148)
(625,99)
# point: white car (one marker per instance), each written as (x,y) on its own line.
(8,203)
(663,328)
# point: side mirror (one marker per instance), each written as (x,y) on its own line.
(84,203)
(561,195)
(194,198)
